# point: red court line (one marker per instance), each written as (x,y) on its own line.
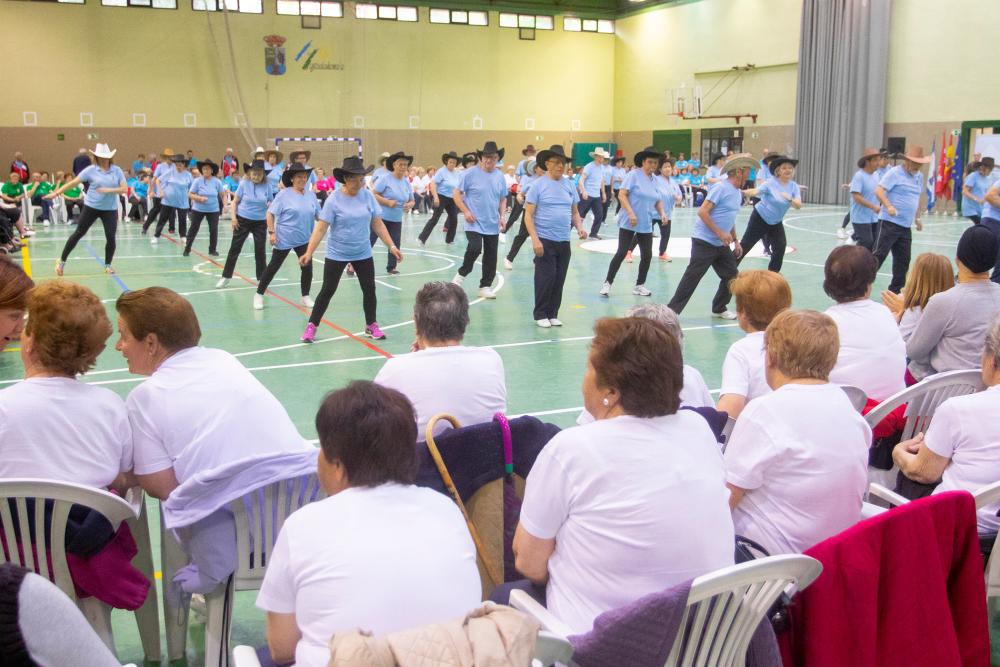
(291,303)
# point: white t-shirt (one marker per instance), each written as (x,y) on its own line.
(872,352)
(635,506)
(801,452)
(380,559)
(694,394)
(466,382)
(63,430)
(201,409)
(965,429)
(743,369)
(420,184)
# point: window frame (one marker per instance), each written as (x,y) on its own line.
(523,20)
(451,16)
(321,3)
(130,4)
(219,7)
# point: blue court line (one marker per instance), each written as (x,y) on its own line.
(100,260)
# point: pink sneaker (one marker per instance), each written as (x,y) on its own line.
(309,335)
(373,331)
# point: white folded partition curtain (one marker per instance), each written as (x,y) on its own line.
(840,102)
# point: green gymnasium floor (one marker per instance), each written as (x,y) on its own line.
(544,366)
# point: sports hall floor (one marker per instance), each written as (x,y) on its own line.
(544,366)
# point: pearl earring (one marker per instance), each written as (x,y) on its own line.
(606,402)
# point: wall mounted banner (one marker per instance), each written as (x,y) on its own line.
(274,55)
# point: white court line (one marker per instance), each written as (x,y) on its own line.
(385,284)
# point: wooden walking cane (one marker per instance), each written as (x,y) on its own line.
(491,572)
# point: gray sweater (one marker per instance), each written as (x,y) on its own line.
(952,329)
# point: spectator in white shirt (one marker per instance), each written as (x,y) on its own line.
(962,445)
(379,554)
(633,503)
(441,374)
(872,352)
(200,409)
(797,460)
(760,296)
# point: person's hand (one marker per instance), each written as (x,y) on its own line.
(737,249)
(394,251)
(583,196)
(603,199)
(726,238)
(437,202)
(235,224)
(273,237)
(305,259)
(51,195)
(891,210)
(520,198)
(537,246)
(408,205)
(105,191)
(633,220)
(914,444)
(470,217)
(919,224)
(415,346)
(582,233)
(786,196)
(892,301)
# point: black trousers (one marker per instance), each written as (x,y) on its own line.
(70,205)
(607,200)
(993,225)
(332,271)
(109,219)
(516,211)
(550,276)
(277,259)
(213,230)
(515,246)
(625,238)
(596,206)
(485,244)
(847,219)
(447,205)
(704,256)
(167,214)
(245,228)
(138,209)
(153,212)
(756,230)
(395,230)
(664,236)
(864,234)
(895,239)
(618,202)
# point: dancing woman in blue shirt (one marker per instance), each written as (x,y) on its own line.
(777,195)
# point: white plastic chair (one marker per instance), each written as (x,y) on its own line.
(723,609)
(921,400)
(17,521)
(858,398)
(259,516)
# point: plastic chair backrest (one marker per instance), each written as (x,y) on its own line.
(45,555)
(725,607)
(923,398)
(858,397)
(259,516)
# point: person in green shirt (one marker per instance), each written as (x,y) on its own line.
(72,198)
(12,191)
(36,190)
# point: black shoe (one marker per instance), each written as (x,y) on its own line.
(392,272)
(595,237)
(171,231)
(213,254)
(187,252)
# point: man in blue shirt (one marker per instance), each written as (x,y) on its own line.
(522,170)
(864,209)
(713,234)
(979,180)
(164,167)
(481,196)
(899,193)
(591,187)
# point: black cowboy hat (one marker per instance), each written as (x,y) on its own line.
(646,153)
(179,158)
(294,168)
(490,148)
(208,163)
(530,148)
(556,150)
(617,159)
(294,154)
(353,166)
(452,155)
(779,160)
(469,158)
(398,155)
(256,164)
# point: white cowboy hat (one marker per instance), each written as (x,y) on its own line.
(102,150)
(599,151)
(736,161)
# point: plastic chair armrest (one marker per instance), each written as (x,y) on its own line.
(245,656)
(878,491)
(523,602)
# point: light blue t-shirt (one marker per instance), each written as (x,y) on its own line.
(864,184)
(881,172)
(902,189)
(727,200)
(695,164)
(697,180)
(398,190)
(522,167)
(643,195)
(593,173)
(294,217)
(254,199)
(668,191)
(773,206)
(764,173)
(681,164)
(162,169)
(527,181)
(446,181)
(210,187)
(230,183)
(609,173)
(554,201)
(175,188)
(482,192)
(714,172)
(137,166)
(989,210)
(98,178)
(379,173)
(141,189)
(273,175)
(617,177)
(978,185)
(350,219)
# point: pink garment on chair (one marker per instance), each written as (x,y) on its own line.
(109,574)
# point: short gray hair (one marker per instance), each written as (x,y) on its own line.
(661,314)
(441,312)
(991,347)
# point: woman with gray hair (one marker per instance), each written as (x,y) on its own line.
(441,374)
(961,447)
(694,392)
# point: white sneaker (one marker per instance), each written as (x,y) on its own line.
(45,223)
(28,232)
(554,322)
(307,301)
(725,315)
(640,290)
(545,324)
(458,279)
(222,283)
(507,264)
(258,302)
(503,238)
(605,289)
(841,233)
(154,241)
(487,293)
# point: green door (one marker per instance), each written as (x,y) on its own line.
(675,141)
(582,151)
